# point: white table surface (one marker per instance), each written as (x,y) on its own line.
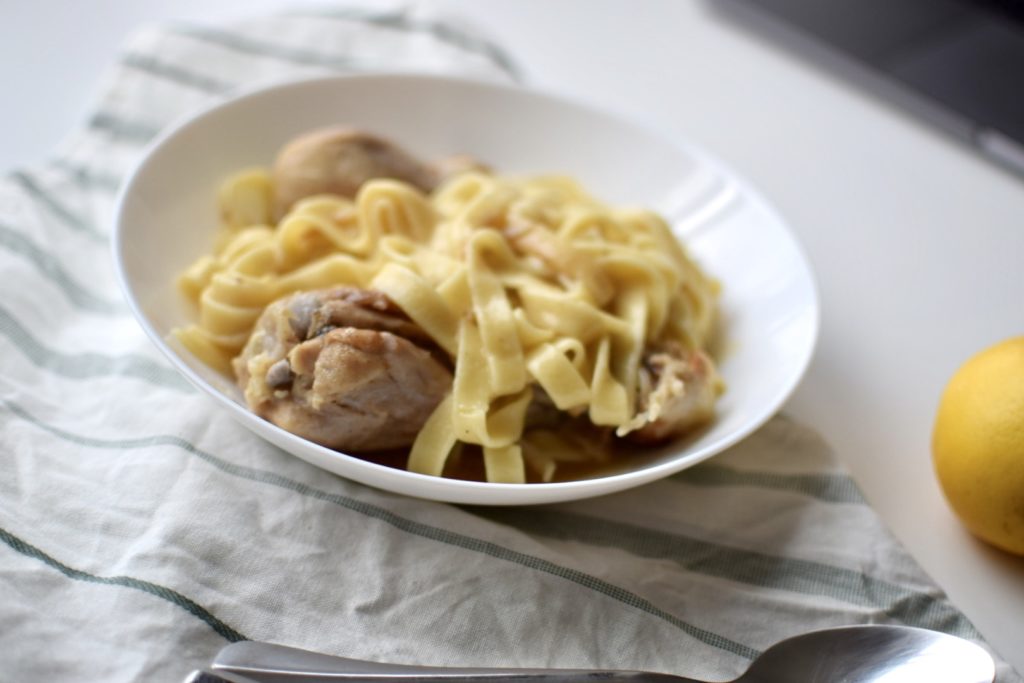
(917,242)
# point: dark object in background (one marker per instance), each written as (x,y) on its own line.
(958,63)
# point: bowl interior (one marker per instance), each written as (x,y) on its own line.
(167,217)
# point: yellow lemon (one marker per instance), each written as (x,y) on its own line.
(978,444)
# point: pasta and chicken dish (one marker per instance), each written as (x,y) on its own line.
(368,301)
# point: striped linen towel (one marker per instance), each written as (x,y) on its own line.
(143,530)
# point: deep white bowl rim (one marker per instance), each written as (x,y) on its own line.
(462,491)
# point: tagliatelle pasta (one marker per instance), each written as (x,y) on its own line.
(530,286)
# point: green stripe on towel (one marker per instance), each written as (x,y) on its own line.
(444,33)
(418,529)
(87,365)
(57,208)
(87,178)
(261,48)
(48,266)
(123,130)
(743,566)
(162,592)
(914,608)
(832,488)
(177,74)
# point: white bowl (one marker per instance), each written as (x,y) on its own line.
(166,217)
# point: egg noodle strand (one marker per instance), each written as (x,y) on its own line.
(525,283)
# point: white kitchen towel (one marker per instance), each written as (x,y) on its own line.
(142,529)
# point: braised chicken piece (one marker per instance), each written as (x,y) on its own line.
(338,161)
(676,392)
(342,367)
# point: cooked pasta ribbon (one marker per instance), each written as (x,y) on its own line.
(537,292)
(434,442)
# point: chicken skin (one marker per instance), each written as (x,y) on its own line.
(344,368)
